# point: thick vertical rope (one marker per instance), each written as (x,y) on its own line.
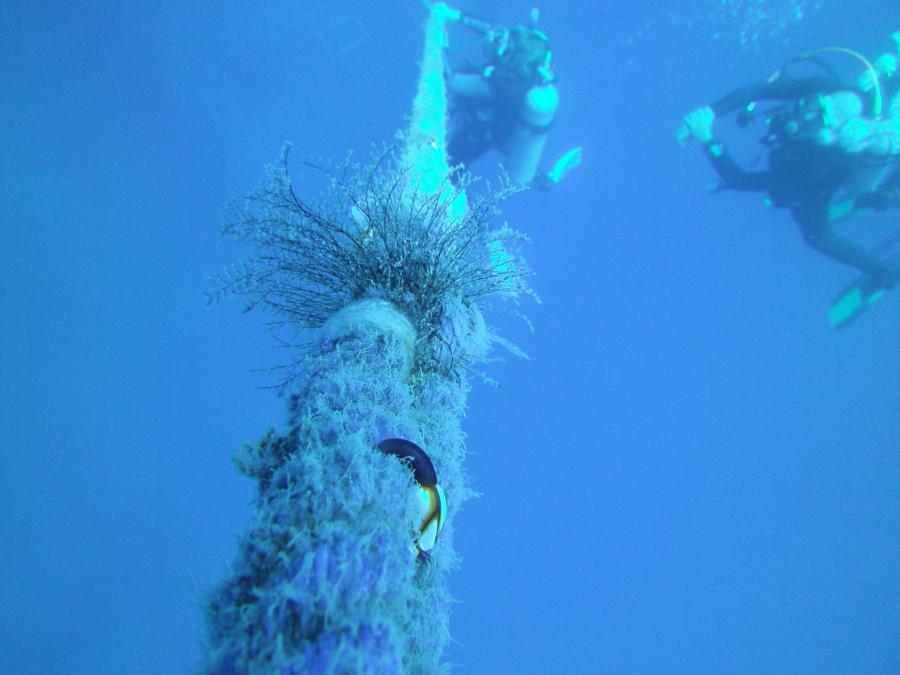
(425,152)
(327,578)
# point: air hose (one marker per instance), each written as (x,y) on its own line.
(877,101)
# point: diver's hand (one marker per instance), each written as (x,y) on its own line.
(696,124)
(446,12)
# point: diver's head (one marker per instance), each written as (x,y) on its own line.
(885,66)
(522,54)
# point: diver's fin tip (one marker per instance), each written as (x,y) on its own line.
(569,160)
(853,301)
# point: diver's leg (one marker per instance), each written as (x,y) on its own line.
(733,175)
(525,144)
(888,194)
(818,234)
(469,86)
(469,140)
(523,151)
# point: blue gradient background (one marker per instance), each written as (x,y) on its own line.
(695,474)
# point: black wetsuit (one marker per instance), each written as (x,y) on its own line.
(482,123)
(479,125)
(802,176)
(799,170)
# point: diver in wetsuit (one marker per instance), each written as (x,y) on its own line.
(508,104)
(828,157)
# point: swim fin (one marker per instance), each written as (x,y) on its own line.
(853,301)
(865,289)
(564,164)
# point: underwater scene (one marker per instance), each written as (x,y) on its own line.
(431,337)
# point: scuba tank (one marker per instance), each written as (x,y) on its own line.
(524,146)
(522,75)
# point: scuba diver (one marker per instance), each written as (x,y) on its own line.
(508,104)
(832,152)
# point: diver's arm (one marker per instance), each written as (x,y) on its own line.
(471,86)
(882,199)
(698,125)
(482,26)
(465,85)
(885,196)
(779,90)
(470,21)
(733,175)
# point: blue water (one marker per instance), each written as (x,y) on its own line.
(694,474)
